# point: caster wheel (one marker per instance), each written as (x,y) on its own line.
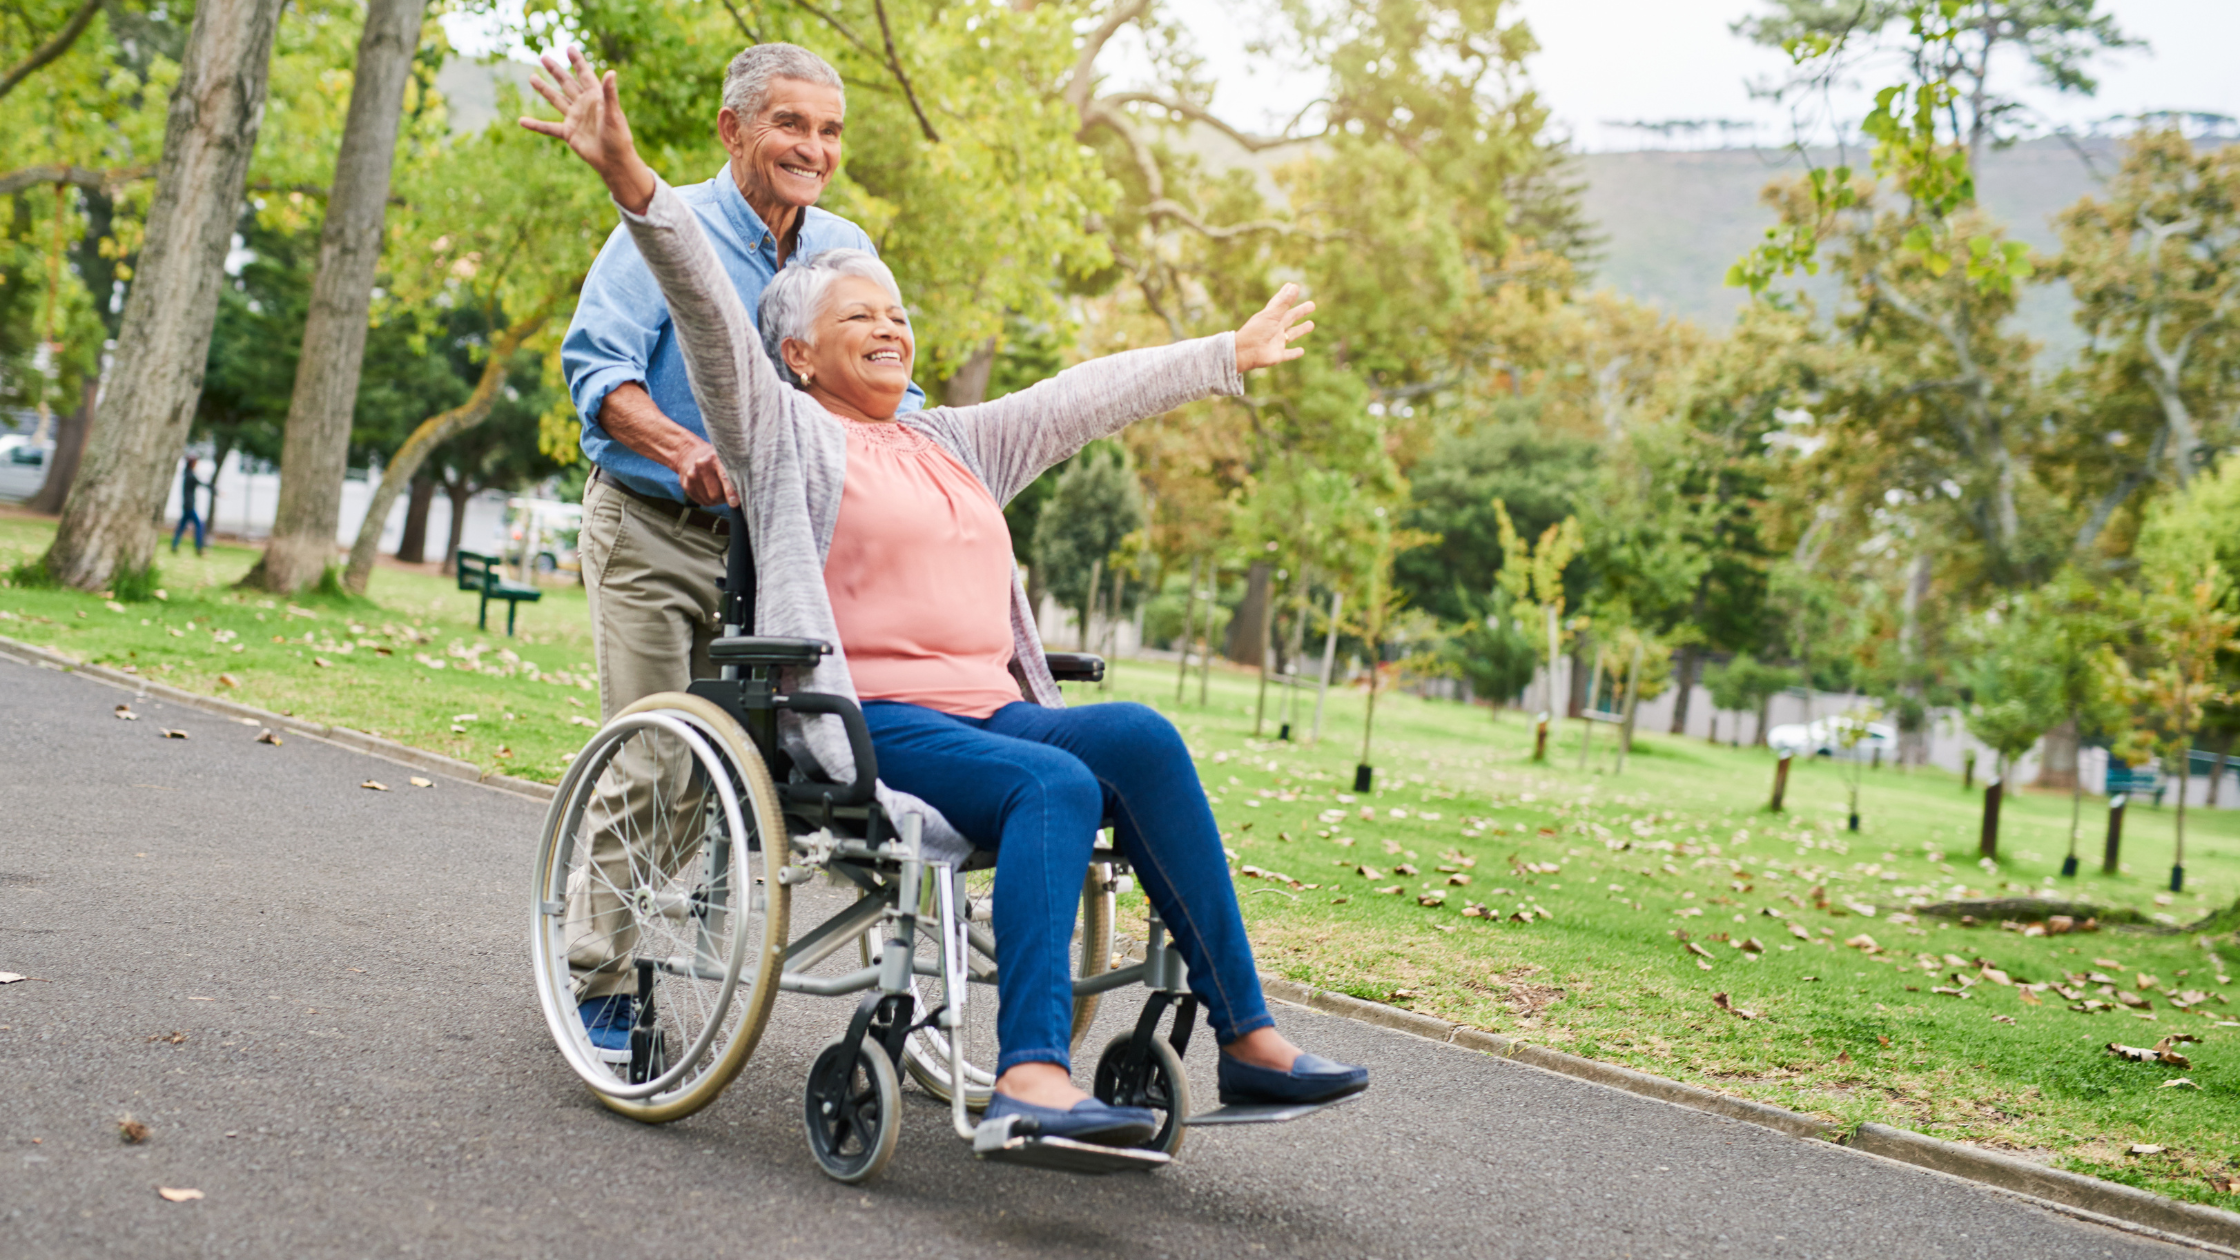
(853,1108)
(1158,1083)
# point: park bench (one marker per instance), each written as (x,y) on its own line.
(2134,781)
(478,572)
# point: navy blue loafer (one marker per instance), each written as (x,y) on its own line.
(1088,1121)
(1312,1079)
(607,1021)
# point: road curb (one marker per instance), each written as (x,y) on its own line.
(2075,1193)
(2108,1202)
(342,736)
(2075,1190)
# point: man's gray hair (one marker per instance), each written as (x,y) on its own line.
(746,84)
(793,299)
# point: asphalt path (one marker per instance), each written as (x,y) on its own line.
(316,996)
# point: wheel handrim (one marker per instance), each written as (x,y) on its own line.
(689,904)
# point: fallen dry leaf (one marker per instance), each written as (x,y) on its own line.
(2142,1148)
(170,1038)
(178,1196)
(2159,1053)
(2002,1019)
(124,712)
(169,733)
(1798,930)
(267,737)
(322,662)
(375,785)
(1752,946)
(132,1131)
(10,977)
(417,781)
(1406,868)
(2028,998)
(1996,976)
(228,680)
(2179,1082)
(1721,1001)
(1865,942)
(1843,1056)
(1698,950)
(1392,890)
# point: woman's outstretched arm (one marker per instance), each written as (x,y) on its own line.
(1019,435)
(732,379)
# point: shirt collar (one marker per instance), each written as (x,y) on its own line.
(750,224)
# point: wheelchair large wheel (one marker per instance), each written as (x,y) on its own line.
(1158,1083)
(655,879)
(925,1056)
(853,1110)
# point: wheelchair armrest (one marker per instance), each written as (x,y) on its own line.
(754,650)
(858,792)
(1075,666)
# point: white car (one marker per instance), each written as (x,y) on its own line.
(1825,738)
(23,466)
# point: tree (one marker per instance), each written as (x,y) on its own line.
(505,226)
(107,532)
(2184,628)
(316,450)
(2155,268)
(2014,676)
(1094,506)
(1745,684)
(1532,577)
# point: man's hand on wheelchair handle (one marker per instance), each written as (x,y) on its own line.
(1265,340)
(704,480)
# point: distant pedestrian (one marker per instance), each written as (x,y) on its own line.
(188,484)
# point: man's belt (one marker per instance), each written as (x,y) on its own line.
(684,514)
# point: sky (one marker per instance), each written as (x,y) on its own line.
(1609,61)
(1606,62)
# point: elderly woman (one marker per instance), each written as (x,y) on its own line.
(884,534)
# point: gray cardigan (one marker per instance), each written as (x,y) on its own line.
(789,458)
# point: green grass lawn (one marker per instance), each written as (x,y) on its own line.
(407,662)
(1618,874)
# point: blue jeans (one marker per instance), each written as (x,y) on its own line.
(1034,784)
(186,518)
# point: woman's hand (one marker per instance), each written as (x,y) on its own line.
(592,123)
(1265,340)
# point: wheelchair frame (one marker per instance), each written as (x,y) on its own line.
(839,829)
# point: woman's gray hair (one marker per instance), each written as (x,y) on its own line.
(793,299)
(746,84)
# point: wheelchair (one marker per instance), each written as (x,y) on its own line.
(665,872)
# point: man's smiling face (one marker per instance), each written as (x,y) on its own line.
(784,156)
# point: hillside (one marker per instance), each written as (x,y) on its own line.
(1673,221)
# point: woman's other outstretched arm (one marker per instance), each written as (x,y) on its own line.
(1019,435)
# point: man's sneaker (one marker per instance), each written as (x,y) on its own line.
(607,1020)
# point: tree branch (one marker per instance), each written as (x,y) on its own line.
(1085,66)
(53,48)
(14,182)
(894,63)
(1251,143)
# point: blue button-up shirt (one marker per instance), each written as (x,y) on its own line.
(622,333)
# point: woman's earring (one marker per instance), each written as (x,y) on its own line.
(808,379)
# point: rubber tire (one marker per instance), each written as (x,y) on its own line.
(888,1092)
(1166,1064)
(759,799)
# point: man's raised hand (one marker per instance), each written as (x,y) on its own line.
(592,124)
(1265,340)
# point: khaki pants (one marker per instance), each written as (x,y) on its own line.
(651,582)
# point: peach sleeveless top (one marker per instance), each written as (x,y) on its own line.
(919,576)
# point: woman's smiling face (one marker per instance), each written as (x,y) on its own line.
(863,349)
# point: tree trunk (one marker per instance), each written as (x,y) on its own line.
(315,452)
(432,433)
(1685,681)
(108,522)
(2058,769)
(461,493)
(413,547)
(1246,629)
(1765,711)
(969,385)
(69,449)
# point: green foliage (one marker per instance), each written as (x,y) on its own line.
(1538,474)
(1094,506)
(1744,683)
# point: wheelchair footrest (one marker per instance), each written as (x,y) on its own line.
(995,1141)
(1264,1113)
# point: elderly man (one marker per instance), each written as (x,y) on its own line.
(652,550)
